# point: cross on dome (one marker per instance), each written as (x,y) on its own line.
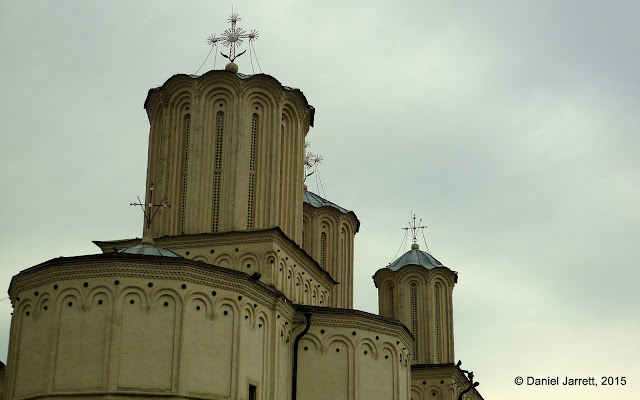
(413,227)
(233,38)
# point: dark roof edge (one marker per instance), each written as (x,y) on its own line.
(222,234)
(332,205)
(351,311)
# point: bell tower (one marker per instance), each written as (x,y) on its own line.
(226,151)
(417,290)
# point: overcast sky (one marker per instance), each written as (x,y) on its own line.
(509,127)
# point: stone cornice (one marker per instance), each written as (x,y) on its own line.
(118,265)
(229,238)
(356,319)
(239,84)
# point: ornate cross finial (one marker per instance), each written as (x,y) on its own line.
(311,162)
(233,38)
(413,227)
(148,209)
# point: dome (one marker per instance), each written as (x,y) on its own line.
(415,257)
(149,250)
(318,202)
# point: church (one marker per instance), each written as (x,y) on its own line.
(241,286)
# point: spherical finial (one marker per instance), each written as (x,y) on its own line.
(414,246)
(232,67)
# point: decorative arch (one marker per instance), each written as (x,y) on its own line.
(368,345)
(224,260)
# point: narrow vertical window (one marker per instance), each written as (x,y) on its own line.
(252,173)
(414,319)
(185,167)
(253,392)
(217,172)
(391,302)
(436,304)
(323,250)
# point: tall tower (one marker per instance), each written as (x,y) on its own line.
(418,290)
(226,151)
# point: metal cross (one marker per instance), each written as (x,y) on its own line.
(414,228)
(148,209)
(311,162)
(233,37)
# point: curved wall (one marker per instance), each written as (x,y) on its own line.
(226,152)
(127,325)
(328,236)
(138,326)
(352,355)
(422,299)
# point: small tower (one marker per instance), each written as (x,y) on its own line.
(417,290)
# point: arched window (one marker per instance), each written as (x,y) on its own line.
(323,250)
(414,319)
(186,128)
(252,173)
(392,303)
(436,303)
(217,172)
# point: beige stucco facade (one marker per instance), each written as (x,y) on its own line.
(257,296)
(422,299)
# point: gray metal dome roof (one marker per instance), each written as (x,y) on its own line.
(149,250)
(317,201)
(415,257)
